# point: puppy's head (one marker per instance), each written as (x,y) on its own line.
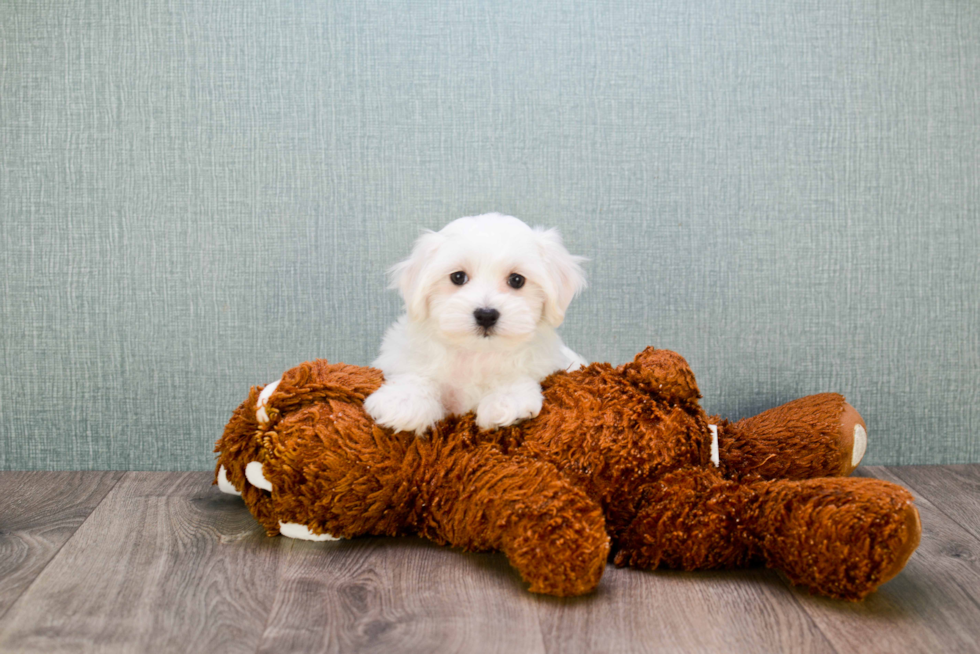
(488,278)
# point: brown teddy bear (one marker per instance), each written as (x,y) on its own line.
(621,460)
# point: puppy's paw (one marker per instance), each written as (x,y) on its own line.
(508,406)
(573,360)
(404,406)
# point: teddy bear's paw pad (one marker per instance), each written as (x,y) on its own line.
(913,530)
(860,445)
(853,439)
(301,532)
(260,404)
(253,472)
(224,485)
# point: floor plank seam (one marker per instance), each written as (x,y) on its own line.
(40,572)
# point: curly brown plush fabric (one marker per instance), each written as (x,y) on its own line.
(618,462)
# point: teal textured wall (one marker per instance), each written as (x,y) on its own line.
(197,195)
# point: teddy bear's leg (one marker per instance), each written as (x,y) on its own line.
(838,537)
(550,530)
(814,436)
(691,521)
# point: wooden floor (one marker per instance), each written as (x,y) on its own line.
(163,562)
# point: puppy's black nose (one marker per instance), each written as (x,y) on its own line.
(486,318)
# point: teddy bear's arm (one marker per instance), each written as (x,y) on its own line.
(814,436)
(550,530)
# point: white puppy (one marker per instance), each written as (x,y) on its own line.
(483,297)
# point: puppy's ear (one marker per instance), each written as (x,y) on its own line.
(564,277)
(410,278)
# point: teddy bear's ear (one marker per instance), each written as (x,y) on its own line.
(663,373)
(315,380)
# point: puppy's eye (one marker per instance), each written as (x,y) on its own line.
(459,278)
(515,281)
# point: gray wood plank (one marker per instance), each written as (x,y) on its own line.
(674,611)
(406,595)
(382,595)
(166,563)
(399,595)
(39,511)
(953,489)
(933,605)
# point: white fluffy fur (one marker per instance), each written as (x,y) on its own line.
(437,360)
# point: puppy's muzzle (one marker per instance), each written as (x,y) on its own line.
(486,318)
